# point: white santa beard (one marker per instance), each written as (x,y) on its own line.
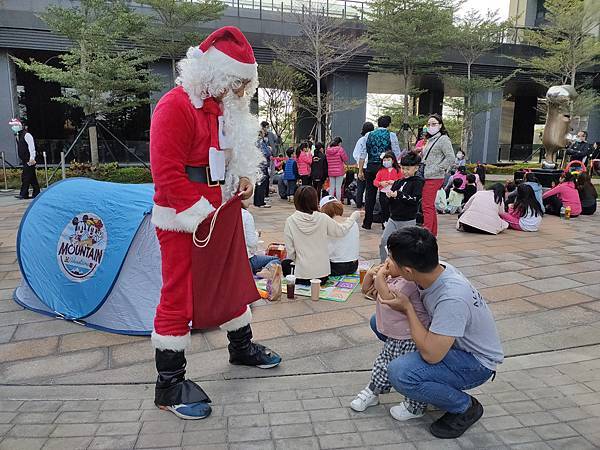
(241,131)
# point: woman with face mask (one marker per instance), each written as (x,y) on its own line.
(26,152)
(384,180)
(438,156)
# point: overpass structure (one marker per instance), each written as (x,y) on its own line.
(505,130)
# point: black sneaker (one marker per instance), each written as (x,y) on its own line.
(451,426)
(366,227)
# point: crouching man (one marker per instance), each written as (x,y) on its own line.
(461,348)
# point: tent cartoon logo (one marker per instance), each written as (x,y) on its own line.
(81,247)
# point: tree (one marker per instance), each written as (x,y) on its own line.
(473,36)
(100,74)
(409,36)
(282,86)
(169,34)
(569,47)
(322,48)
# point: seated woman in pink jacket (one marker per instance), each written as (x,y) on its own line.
(336,158)
(304,160)
(565,194)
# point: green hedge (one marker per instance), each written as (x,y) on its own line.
(135,175)
(104,172)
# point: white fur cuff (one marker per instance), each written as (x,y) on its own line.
(186,221)
(238,322)
(174,343)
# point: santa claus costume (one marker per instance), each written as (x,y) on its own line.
(201,145)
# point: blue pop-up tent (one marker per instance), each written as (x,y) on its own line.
(89,253)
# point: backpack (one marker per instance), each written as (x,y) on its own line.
(378,142)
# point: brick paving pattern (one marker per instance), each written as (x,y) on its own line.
(65,385)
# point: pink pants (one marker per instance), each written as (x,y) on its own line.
(512,219)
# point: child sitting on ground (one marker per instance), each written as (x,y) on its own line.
(470,189)
(441,201)
(264,266)
(526,213)
(455,197)
(394,327)
(343,251)
(306,235)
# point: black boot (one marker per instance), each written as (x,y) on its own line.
(173,392)
(242,351)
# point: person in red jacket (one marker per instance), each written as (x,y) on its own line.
(202,139)
(384,180)
(565,194)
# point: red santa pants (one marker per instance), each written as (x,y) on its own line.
(430,189)
(174,312)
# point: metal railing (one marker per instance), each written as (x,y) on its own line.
(287,9)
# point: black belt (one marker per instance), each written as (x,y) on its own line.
(202,175)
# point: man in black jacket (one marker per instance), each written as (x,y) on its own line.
(580,150)
(26,152)
(404,200)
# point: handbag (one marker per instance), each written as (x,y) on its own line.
(222,280)
(421,169)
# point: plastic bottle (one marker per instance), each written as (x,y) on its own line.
(568,212)
(562,212)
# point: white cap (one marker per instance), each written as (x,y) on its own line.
(327,199)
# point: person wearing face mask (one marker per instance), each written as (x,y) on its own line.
(580,150)
(385,178)
(403,198)
(438,156)
(26,152)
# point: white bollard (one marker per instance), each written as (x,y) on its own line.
(46,168)
(62,165)
(4,173)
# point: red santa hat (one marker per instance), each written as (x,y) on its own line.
(228,49)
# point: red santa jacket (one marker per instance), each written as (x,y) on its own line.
(180,135)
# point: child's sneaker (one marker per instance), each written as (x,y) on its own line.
(401,413)
(364,399)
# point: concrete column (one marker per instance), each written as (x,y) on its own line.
(8,106)
(162,68)
(431,102)
(524,120)
(486,128)
(348,88)
(593,127)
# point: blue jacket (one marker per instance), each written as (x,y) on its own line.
(290,172)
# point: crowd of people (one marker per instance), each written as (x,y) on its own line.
(422,305)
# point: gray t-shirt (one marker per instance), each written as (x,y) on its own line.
(458,310)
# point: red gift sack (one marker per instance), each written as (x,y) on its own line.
(222,280)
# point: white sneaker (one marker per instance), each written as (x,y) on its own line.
(402,413)
(364,399)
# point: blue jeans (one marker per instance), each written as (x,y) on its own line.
(373,323)
(259,262)
(440,384)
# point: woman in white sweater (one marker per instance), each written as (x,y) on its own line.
(344,251)
(306,237)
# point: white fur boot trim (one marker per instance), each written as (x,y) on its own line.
(174,343)
(239,321)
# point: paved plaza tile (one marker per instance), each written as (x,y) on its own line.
(543,287)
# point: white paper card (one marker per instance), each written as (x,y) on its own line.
(216,161)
